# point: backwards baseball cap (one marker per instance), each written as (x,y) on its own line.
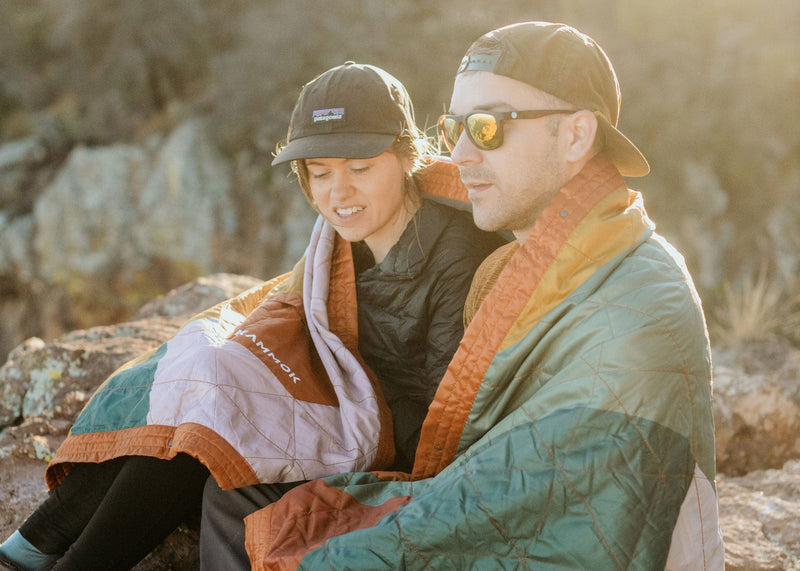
(353,111)
(563,62)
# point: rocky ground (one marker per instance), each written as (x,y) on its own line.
(44,385)
(757,414)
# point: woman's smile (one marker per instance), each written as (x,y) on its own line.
(364,199)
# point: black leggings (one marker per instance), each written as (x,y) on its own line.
(111,515)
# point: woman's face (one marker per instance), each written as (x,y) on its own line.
(364,199)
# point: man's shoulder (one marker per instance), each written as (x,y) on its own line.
(652,279)
(656,261)
(659,251)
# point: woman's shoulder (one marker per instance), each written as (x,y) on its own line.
(456,233)
(446,215)
(457,229)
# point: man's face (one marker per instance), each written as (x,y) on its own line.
(509,186)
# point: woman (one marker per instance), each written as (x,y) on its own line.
(336,372)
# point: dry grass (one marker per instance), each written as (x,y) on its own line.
(756,308)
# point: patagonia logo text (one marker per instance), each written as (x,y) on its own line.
(322,115)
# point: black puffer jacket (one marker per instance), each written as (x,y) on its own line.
(410,311)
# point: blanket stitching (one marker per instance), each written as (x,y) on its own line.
(696,488)
(495,523)
(412,547)
(685,362)
(575,491)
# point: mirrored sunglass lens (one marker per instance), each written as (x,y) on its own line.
(483,128)
(451,130)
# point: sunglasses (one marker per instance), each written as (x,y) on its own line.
(485,128)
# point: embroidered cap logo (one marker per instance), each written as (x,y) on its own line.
(334,114)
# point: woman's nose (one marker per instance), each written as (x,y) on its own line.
(341,186)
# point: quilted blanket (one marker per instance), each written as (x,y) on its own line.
(572,430)
(266,387)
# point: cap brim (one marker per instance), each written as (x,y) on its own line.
(626,157)
(336,145)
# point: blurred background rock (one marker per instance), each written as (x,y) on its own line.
(136,137)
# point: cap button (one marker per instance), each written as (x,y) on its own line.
(348,62)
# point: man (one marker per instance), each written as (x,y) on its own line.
(573,428)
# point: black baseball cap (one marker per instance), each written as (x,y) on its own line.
(561,61)
(353,111)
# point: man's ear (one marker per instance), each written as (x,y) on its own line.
(581,131)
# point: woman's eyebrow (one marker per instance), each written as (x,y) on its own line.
(312,162)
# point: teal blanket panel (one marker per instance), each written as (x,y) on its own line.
(560,492)
(123,400)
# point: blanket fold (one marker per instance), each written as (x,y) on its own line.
(266,387)
(573,427)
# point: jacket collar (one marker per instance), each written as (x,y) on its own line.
(408,256)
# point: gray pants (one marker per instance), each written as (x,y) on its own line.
(222,526)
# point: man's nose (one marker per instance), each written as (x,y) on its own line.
(464,152)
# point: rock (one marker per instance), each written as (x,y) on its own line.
(16,255)
(14,387)
(50,382)
(56,379)
(178,552)
(756,414)
(760,519)
(185,210)
(43,386)
(21,153)
(16,160)
(85,218)
(204,292)
(88,269)
(22,488)
(88,235)
(27,162)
